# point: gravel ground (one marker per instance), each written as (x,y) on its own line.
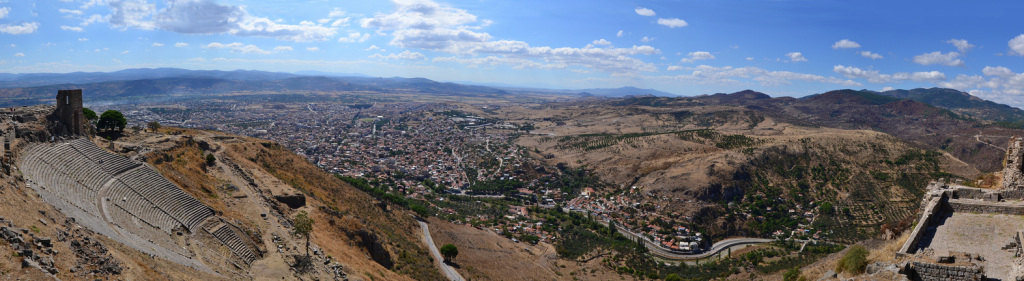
(983,234)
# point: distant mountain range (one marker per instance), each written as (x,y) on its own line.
(625,91)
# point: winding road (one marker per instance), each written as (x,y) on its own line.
(447,270)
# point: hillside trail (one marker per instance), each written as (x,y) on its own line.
(978,138)
(446,269)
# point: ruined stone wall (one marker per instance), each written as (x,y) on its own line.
(69,119)
(934,205)
(973,206)
(931,271)
(1013,171)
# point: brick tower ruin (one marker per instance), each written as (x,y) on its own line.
(69,117)
(1013,171)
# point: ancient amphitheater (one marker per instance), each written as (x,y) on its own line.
(126,201)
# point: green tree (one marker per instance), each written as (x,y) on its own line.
(420,210)
(89,114)
(304,227)
(210,159)
(153,126)
(449,252)
(673,277)
(792,275)
(826,208)
(112,119)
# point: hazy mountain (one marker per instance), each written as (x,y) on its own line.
(626,91)
(42,79)
(961,102)
(322,73)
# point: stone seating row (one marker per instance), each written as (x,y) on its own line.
(169,197)
(138,206)
(237,246)
(112,163)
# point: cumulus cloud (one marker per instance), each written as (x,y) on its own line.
(427,25)
(874,76)
(695,56)
(750,58)
(313,49)
(208,17)
(354,37)
(24,28)
(125,52)
(19,55)
(340,22)
(1017,45)
(795,57)
(516,63)
(949,59)
(406,55)
(371,48)
(646,39)
(199,59)
(242,48)
(155,44)
(886,89)
(674,68)
(727,75)
(83,39)
(870,55)
(644,12)
(71,28)
(4,11)
(997,71)
(845,44)
(283,48)
(603,42)
(181,44)
(64,11)
(336,13)
(961,45)
(672,22)
(618,34)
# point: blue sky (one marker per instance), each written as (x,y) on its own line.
(782,47)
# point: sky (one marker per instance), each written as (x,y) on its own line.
(779,47)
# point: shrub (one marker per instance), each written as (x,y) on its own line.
(855,260)
(791,275)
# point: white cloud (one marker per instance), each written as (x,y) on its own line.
(672,22)
(727,75)
(199,59)
(181,44)
(845,44)
(12,45)
(4,11)
(1017,44)
(313,49)
(238,48)
(71,28)
(340,22)
(336,13)
(870,55)
(83,39)
(24,28)
(618,34)
(886,89)
(579,71)
(997,71)
(125,52)
(371,48)
(874,76)
(116,60)
(19,55)
(674,68)
(355,37)
(65,11)
(283,48)
(155,44)
(750,58)
(48,44)
(93,19)
(208,17)
(516,63)
(430,26)
(323,21)
(406,55)
(646,39)
(949,59)
(961,45)
(603,42)
(644,12)
(795,57)
(96,50)
(695,56)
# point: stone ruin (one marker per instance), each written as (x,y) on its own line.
(1013,173)
(68,118)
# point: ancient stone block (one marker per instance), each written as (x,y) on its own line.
(1013,171)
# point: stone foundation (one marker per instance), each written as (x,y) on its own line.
(932,271)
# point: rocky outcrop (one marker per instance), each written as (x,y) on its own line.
(1013,171)
(293,201)
(378,252)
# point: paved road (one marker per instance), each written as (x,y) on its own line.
(447,270)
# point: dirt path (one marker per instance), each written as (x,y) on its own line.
(447,270)
(978,138)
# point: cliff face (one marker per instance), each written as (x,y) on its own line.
(1013,173)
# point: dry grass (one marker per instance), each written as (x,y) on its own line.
(887,253)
